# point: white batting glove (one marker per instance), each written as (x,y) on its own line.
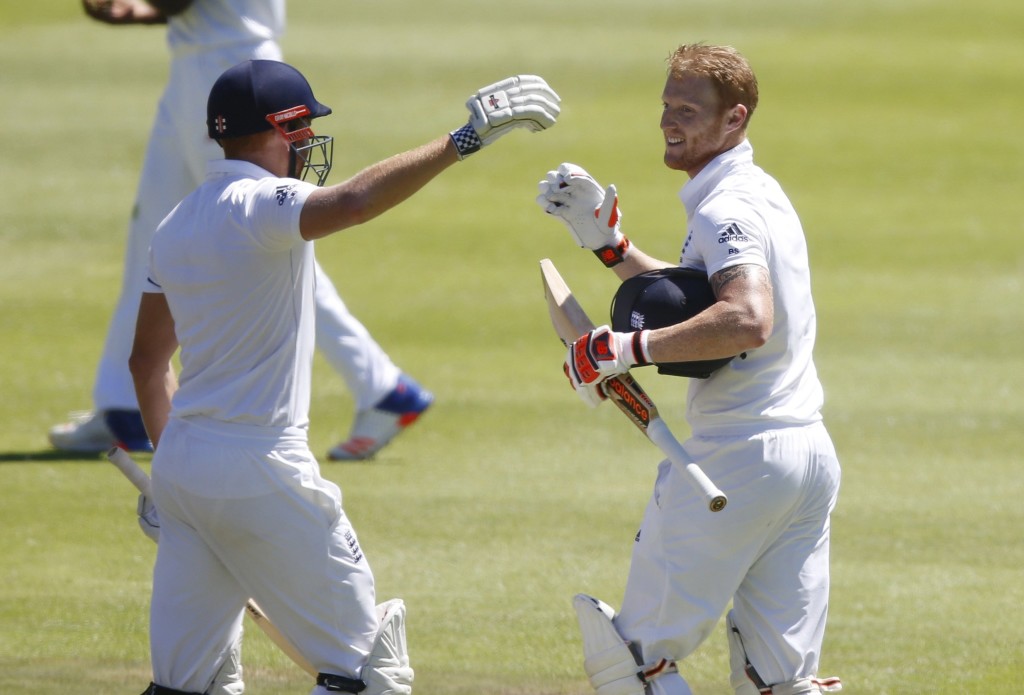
(603,353)
(592,395)
(522,101)
(149,522)
(590,212)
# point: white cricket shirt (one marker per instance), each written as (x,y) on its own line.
(739,214)
(211,24)
(239,282)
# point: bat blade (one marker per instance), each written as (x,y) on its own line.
(567,316)
(276,636)
(570,321)
(131,470)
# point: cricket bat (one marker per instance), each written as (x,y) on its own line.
(570,322)
(131,470)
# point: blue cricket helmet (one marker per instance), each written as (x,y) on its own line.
(665,297)
(244,96)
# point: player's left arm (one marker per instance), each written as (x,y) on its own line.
(741,319)
(731,244)
(150,362)
(518,102)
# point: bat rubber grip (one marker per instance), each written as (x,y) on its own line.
(660,434)
(120,458)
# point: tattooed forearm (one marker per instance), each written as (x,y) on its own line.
(750,276)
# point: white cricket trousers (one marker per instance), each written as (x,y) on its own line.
(767,552)
(175,164)
(246,515)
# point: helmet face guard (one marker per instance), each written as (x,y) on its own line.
(310,154)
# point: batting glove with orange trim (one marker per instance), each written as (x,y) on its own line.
(600,354)
(590,212)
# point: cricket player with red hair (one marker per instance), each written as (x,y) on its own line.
(756,423)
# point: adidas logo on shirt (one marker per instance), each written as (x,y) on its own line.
(732,235)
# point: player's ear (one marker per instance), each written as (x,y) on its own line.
(736,118)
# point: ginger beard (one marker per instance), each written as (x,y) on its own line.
(695,127)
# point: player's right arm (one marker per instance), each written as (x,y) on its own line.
(592,215)
(150,362)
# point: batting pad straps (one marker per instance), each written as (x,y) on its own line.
(339,684)
(155,689)
(745,679)
(612,255)
(466,141)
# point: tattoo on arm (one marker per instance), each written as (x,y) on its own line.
(754,276)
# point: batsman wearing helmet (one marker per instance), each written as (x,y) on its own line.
(244,511)
(755,420)
(204,38)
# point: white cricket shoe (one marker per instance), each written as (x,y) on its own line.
(374,428)
(95,431)
(85,433)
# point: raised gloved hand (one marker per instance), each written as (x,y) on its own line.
(149,522)
(522,101)
(603,353)
(589,211)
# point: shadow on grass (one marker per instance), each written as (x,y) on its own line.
(51,455)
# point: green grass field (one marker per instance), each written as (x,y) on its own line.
(894,127)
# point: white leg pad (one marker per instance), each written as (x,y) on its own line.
(388,672)
(745,681)
(807,686)
(228,680)
(608,661)
(739,677)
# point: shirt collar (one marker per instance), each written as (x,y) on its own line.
(235,167)
(697,188)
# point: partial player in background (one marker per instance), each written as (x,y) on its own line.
(756,424)
(205,37)
(243,510)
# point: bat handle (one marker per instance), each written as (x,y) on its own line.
(660,434)
(120,458)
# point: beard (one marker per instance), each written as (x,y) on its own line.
(700,147)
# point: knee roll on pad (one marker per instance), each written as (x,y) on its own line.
(746,681)
(609,662)
(387,672)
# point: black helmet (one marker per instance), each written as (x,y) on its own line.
(665,297)
(244,97)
